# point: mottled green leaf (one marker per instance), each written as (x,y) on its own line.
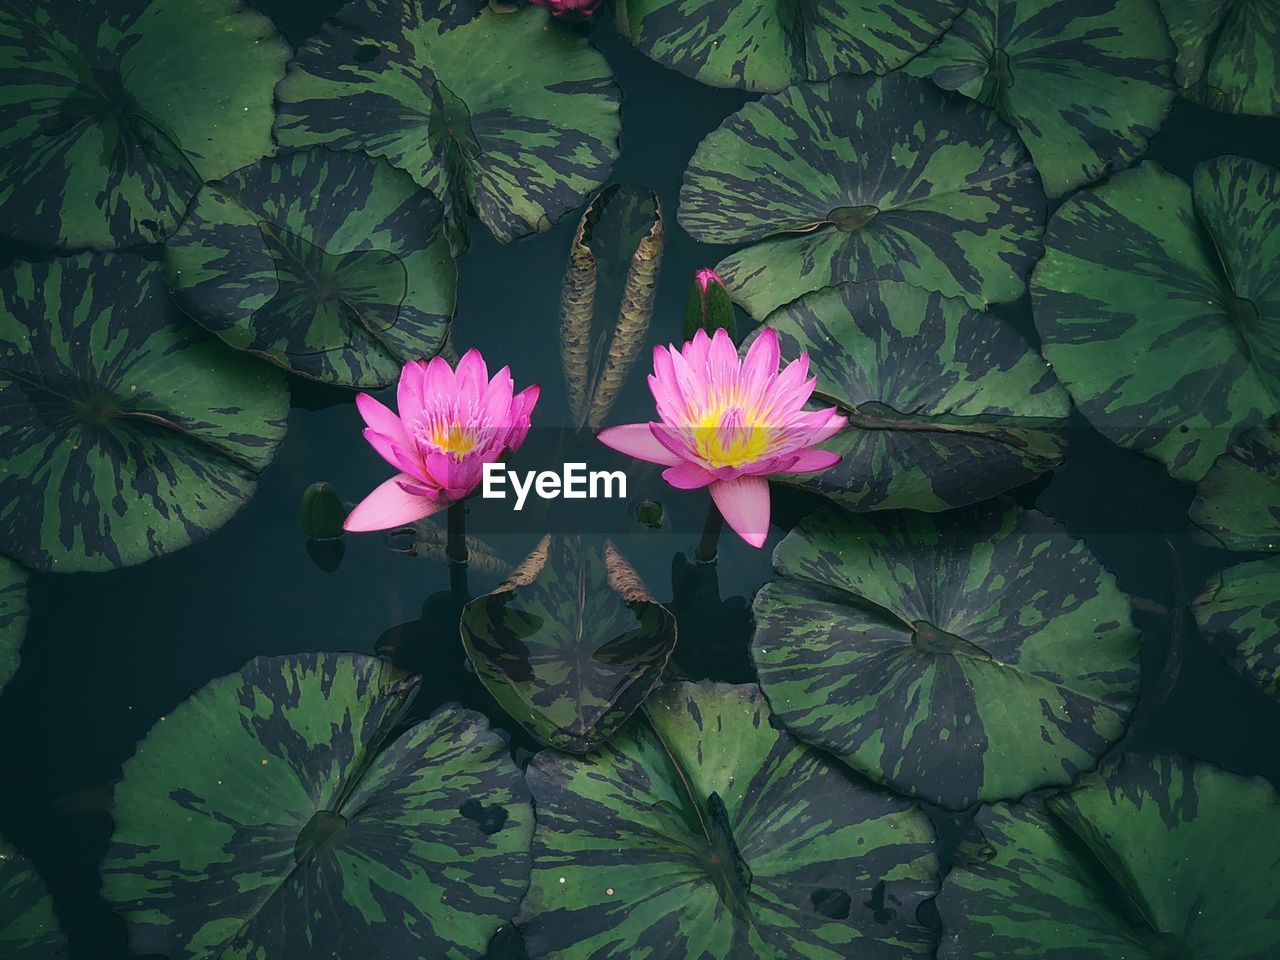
(128,432)
(1237,503)
(571,644)
(866,178)
(971,655)
(705,830)
(112,112)
(1239,613)
(947,406)
(1173,347)
(1152,858)
(332,265)
(504,113)
(28,928)
(1228,53)
(768,44)
(1085,82)
(273,815)
(13,617)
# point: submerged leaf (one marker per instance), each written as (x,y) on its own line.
(1237,504)
(1239,614)
(571,644)
(973,655)
(13,617)
(28,927)
(705,830)
(1228,53)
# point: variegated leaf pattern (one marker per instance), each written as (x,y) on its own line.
(1173,348)
(1228,53)
(971,655)
(28,928)
(769,44)
(333,265)
(707,831)
(1153,856)
(866,178)
(571,644)
(128,431)
(112,112)
(1237,504)
(13,617)
(1085,82)
(1238,612)
(273,815)
(947,406)
(504,113)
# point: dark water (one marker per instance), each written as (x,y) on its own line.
(108,654)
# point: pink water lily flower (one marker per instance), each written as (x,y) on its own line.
(569,8)
(728,424)
(450,425)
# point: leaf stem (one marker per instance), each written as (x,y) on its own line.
(707,550)
(455,550)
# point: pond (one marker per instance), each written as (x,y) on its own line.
(1002,682)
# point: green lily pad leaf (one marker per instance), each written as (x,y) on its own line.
(708,831)
(971,655)
(504,113)
(1239,613)
(771,44)
(128,431)
(1151,857)
(275,810)
(947,406)
(1237,504)
(1228,53)
(332,265)
(13,617)
(1087,84)
(1173,348)
(113,113)
(866,178)
(28,927)
(571,644)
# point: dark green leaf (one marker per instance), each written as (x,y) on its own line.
(332,265)
(947,406)
(1086,83)
(972,655)
(28,928)
(505,113)
(866,178)
(128,431)
(571,644)
(1228,53)
(709,832)
(112,112)
(768,44)
(322,511)
(1237,503)
(13,617)
(1174,347)
(273,815)
(1152,858)
(1239,613)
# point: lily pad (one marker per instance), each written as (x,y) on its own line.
(505,113)
(1237,504)
(13,617)
(947,406)
(1086,83)
(28,928)
(571,644)
(709,832)
(769,44)
(1228,53)
(113,112)
(276,811)
(128,431)
(866,178)
(1239,613)
(332,265)
(971,655)
(1173,348)
(1151,857)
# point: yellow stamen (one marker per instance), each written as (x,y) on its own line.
(727,435)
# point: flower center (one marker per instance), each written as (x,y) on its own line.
(448,434)
(728,435)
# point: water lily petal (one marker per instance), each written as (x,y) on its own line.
(744,504)
(410,390)
(759,367)
(471,378)
(522,405)
(393,452)
(722,360)
(437,382)
(390,505)
(688,476)
(498,396)
(809,461)
(638,440)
